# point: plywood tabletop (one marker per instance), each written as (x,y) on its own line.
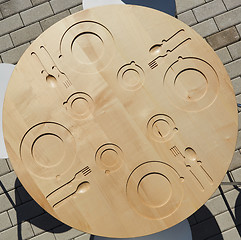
(120,121)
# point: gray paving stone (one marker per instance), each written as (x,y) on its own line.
(1,16)
(231,234)
(224,55)
(14,6)
(209,10)
(237,89)
(61,5)
(238,144)
(76,9)
(206,28)
(230,4)
(225,188)
(225,221)
(43,223)
(205,230)
(239,29)
(83,237)
(229,18)
(4,221)
(236,162)
(36,13)
(23,194)
(234,69)
(187,17)
(235,50)
(37,2)
(237,174)
(12,233)
(72,233)
(6,204)
(9,181)
(223,38)
(184,5)
(44,236)
(3,165)
(26,34)
(25,212)
(9,164)
(1,59)
(13,55)
(10,24)
(46,23)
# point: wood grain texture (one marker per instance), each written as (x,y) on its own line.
(120,121)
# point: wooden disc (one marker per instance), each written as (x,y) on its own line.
(120,121)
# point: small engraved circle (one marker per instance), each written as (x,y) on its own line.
(109,157)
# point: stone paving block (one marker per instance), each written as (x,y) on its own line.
(238,144)
(237,174)
(192,220)
(236,162)
(6,204)
(1,59)
(36,13)
(83,237)
(187,17)
(44,236)
(223,38)
(25,212)
(9,181)
(234,69)
(225,188)
(12,233)
(205,230)
(209,10)
(10,24)
(76,9)
(4,221)
(26,34)
(184,5)
(13,55)
(1,16)
(236,82)
(37,2)
(61,234)
(46,23)
(239,29)
(44,222)
(61,5)
(235,50)
(230,4)
(206,28)
(229,18)
(23,194)
(4,166)
(224,55)
(231,234)
(225,221)
(14,6)
(9,164)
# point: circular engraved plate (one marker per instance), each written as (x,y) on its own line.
(115,121)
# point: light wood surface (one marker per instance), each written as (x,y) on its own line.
(120,121)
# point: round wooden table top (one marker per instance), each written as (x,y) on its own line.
(120,121)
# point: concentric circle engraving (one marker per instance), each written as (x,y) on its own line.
(161,128)
(152,188)
(109,157)
(80,105)
(45,147)
(86,44)
(157,194)
(131,76)
(193,93)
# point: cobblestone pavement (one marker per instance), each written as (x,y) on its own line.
(219,21)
